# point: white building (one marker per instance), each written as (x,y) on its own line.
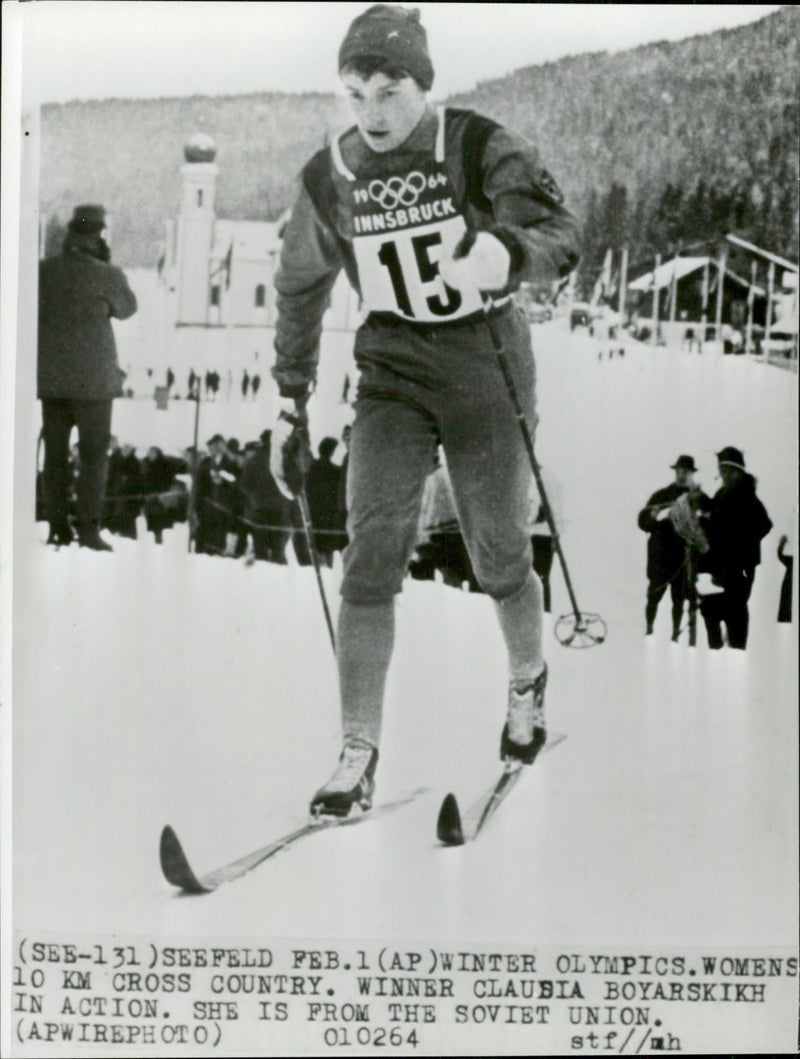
(210,306)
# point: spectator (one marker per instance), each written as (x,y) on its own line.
(124,492)
(786,556)
(440,541)
(238,545)
(218,501)
(322,485)
(346,432)
(245,384)
(666,551)
(255,385)
(266,509)
(78,372)
(164,497)
(541,534)
(233,450)
(736,522)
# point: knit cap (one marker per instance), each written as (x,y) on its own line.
(391,33)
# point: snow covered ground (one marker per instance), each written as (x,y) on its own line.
(152,687)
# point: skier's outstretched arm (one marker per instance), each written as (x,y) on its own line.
(310,262)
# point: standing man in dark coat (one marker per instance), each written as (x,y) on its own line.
(666,551)
(323,483)
(219,502)
(735,525)
(78,372)
(266,509)
(124,492)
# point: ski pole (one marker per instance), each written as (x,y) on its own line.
(583,622)
(302,498)
(579,629)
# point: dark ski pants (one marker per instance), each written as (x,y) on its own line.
(93,420)
(729,608)
(678,593)
(418,388)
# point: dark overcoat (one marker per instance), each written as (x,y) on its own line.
(78,295)
(737,523)
(665,549)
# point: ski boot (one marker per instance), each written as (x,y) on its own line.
(89,537)
(353,782)
(60,533)
(524,733)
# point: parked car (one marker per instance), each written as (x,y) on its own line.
(581,315)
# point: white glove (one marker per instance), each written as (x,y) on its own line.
(289,454)
(485,266)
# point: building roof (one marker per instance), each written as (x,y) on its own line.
(679,267)
(252,240)
(663,275)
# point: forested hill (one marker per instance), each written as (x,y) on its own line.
(662,147)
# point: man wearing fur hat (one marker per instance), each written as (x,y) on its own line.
(735,523)
(666,551)
(390,201)
(78,372)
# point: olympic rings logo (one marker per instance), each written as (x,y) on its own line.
(397,191)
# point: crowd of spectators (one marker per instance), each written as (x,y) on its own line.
(235,510)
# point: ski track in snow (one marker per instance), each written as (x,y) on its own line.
(155,687)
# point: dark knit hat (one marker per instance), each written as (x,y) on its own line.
(684,463)
(391,33)
(733,457)
(88,220)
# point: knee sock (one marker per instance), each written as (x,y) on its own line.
(364,649)
(521,623)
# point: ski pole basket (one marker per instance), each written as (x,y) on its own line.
(580,630)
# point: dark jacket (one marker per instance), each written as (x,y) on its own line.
(264,502)
(665,549)
(158,474)
(737,523)
(124,486)
(78,295)
(323,483)
(219,501)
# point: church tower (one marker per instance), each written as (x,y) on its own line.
(196,228)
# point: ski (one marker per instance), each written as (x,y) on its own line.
(178,871)
(453,830)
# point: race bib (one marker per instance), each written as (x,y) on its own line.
(403,225)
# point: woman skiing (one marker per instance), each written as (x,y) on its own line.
(390,201)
